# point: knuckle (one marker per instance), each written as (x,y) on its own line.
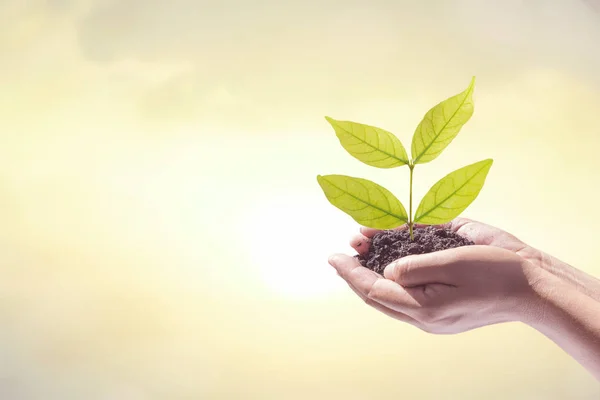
(373,294)
(368,301)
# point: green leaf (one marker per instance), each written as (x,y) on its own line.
(452,194)
(441,124)
(366,202)
(373,146)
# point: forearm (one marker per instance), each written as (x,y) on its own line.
(569,318)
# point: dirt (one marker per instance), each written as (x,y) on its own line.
(390,245)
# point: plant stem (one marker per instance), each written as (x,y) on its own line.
(411,166)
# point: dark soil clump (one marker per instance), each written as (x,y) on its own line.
(390,245)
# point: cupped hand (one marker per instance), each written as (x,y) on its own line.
(498,279)
(453,290)
(486,235)
(479,233)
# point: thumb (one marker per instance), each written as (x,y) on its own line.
(421,269)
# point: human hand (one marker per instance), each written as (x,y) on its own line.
(499,279)
(449,291)
(483,234)
(477,232)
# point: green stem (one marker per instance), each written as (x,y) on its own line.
(411,166)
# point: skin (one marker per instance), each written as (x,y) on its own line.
(499,279)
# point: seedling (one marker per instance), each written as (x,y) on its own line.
(372,205)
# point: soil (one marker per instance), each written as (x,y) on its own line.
(390,245)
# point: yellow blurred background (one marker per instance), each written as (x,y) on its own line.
(162,232)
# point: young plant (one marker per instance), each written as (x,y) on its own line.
(372,205)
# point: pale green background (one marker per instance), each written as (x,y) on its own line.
(163,234)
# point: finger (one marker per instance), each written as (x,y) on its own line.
(424,269)
(370,285)
(369,232)
(383,309)
(458,223)
(393,296)
(483,234)
(426,304)
(487,235)
(355,274)
(360,243)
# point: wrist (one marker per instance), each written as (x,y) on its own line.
(574,278)
(537,300)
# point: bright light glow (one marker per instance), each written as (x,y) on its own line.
(294,235)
